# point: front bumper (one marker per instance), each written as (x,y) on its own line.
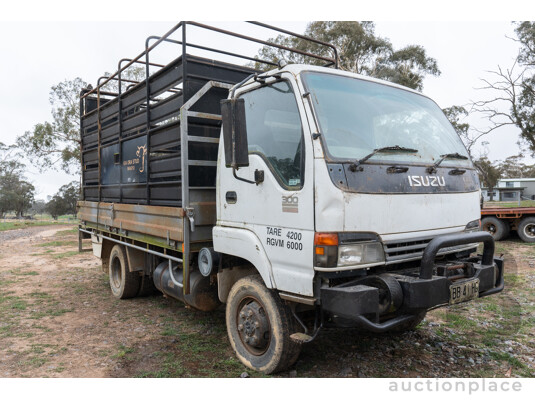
(383,302)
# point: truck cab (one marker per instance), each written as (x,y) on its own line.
(359,180)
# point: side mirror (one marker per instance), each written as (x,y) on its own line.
(235,133)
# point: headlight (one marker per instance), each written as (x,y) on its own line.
(360,253)
(473,226)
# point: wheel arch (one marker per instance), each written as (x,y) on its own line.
(246,245)
(107,246)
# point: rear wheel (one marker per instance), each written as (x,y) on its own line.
(526,229)
(496,227)
(123,283)
(259,325)
(146,286)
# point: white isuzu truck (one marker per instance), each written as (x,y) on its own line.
(300,198)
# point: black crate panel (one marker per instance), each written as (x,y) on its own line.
(110,133)
(165,137)
(135,193)
(166,194)
(203,151)
(130,172)
(135,120)
(90,157)
(167,167)
(134,97)
(110,109)
(167,77)
(91,175)
(165,109)
(200,176)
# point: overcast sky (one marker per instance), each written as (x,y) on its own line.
(44,52)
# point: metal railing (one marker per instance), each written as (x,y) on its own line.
(334,60)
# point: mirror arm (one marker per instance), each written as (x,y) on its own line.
(257,181)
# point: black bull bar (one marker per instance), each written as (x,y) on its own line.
(361,300)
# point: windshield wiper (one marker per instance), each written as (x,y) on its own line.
(433,168)
(388,149)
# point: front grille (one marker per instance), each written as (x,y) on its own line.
(397,251)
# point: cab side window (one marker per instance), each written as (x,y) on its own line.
(274,131)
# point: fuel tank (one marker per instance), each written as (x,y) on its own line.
(202,296)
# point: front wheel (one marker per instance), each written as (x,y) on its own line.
(259,325)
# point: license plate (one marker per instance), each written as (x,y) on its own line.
(464,291)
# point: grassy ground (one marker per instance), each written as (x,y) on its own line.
(58,318)
(507,204)
(10,224)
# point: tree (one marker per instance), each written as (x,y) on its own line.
(513,167)
(64,201)
(70,194)
(361,51)
(455,115)
(38,207)
(57,143)
(10,160)
(16,194)
(55,207)
(488,173)
(513,90)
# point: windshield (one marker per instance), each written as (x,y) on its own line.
(356,117)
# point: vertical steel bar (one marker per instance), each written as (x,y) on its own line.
(184,165)
(81,114)
(82,180)
(147,157)
(99,132)
(120,110)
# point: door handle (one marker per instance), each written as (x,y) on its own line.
(231,197)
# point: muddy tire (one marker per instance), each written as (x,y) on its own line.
(496,227)
(146,287)
(526,229)
(410,325)
(259,326)
(123,283)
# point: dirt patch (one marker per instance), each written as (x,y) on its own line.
(58,319)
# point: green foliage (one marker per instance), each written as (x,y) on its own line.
(524,111)
(513,167)
(57,143)
(360,51)
(16,194)
(64,201)
(489,173)
(38,207)
(525,32)
(514,88)
(129,77)
(455,115)
(70,194)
